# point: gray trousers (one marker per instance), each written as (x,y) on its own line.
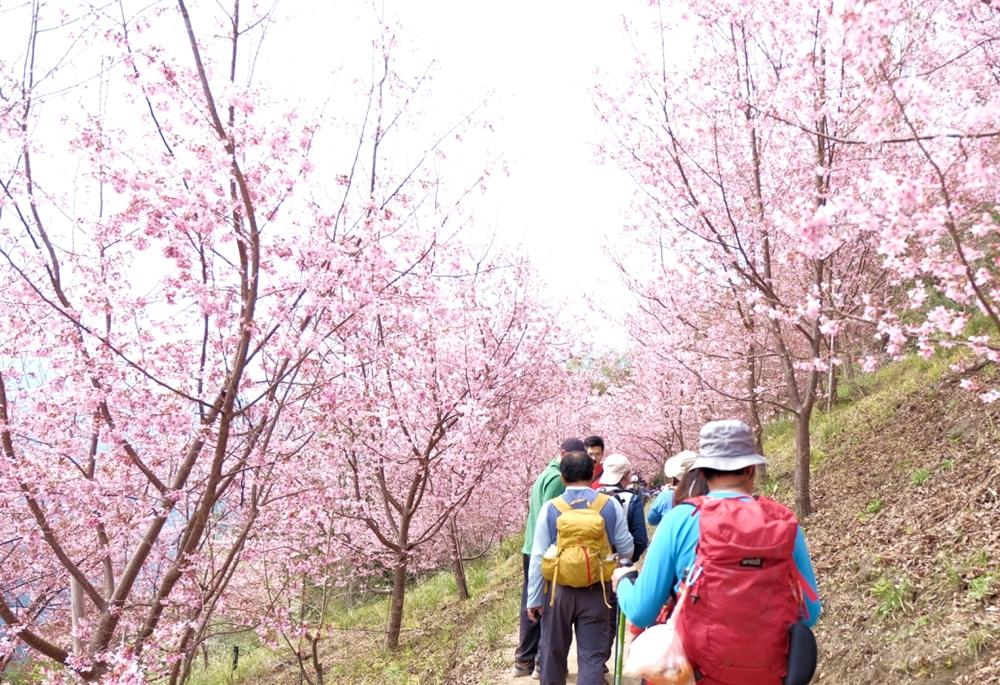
(582,609)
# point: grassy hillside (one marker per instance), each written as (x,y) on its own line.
(906,529)
(444,641)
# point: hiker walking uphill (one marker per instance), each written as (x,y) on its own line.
(673,470)
(613,482)
(575,533)
(547,485)
(744,566)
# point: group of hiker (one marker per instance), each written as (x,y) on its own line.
(732,569)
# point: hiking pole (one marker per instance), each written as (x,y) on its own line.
(620,638)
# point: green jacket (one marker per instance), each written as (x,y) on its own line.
(548,485)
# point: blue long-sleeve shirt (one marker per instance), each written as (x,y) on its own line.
(662,505)
(670,555)
(615,526)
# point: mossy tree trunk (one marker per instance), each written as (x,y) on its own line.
(396,601)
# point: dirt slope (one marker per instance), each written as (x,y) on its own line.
(906,540)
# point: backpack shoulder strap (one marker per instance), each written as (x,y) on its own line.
(625,498)
(614,492)
(695,503)
(804,585)
(561,504)
(599,502)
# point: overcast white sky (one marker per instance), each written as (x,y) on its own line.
(538,60)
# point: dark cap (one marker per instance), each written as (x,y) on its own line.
(572,445)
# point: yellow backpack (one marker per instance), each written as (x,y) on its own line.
(582,554)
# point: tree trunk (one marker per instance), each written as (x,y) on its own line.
(831,381)
(755,422)
(831,388)
(317,664)
(78,614)
(802,460)
(350,585)
(456,563)
(395,624)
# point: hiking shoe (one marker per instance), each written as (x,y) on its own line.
(521,669)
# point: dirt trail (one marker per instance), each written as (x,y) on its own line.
(504,678)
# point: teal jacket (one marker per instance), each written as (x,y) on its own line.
(547,486)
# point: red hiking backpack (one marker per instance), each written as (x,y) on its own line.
(743,592)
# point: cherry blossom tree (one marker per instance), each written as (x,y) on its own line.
(441,382)
(734,148)
(172,308)
(132,406)
(696,357)
(929,75)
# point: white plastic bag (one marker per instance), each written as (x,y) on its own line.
(658,656)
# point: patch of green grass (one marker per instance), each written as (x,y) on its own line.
(874,506)
(947,465)
(955,436)
(919,477)
(477,576)
(770,487)
(973,574)
(978,560)
(438,630)
(917,627)
(779,441)
(982,587)
(817,457)
(494,625)
(255,662)
(510,546)
(978,640)
(892,597)
(953,577)
(979,324)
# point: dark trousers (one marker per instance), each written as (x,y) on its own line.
(584,610)
(613,617)
(530,631)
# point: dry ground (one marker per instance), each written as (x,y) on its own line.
(906,542)
(504,677)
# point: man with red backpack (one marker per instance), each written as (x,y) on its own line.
(742,563)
